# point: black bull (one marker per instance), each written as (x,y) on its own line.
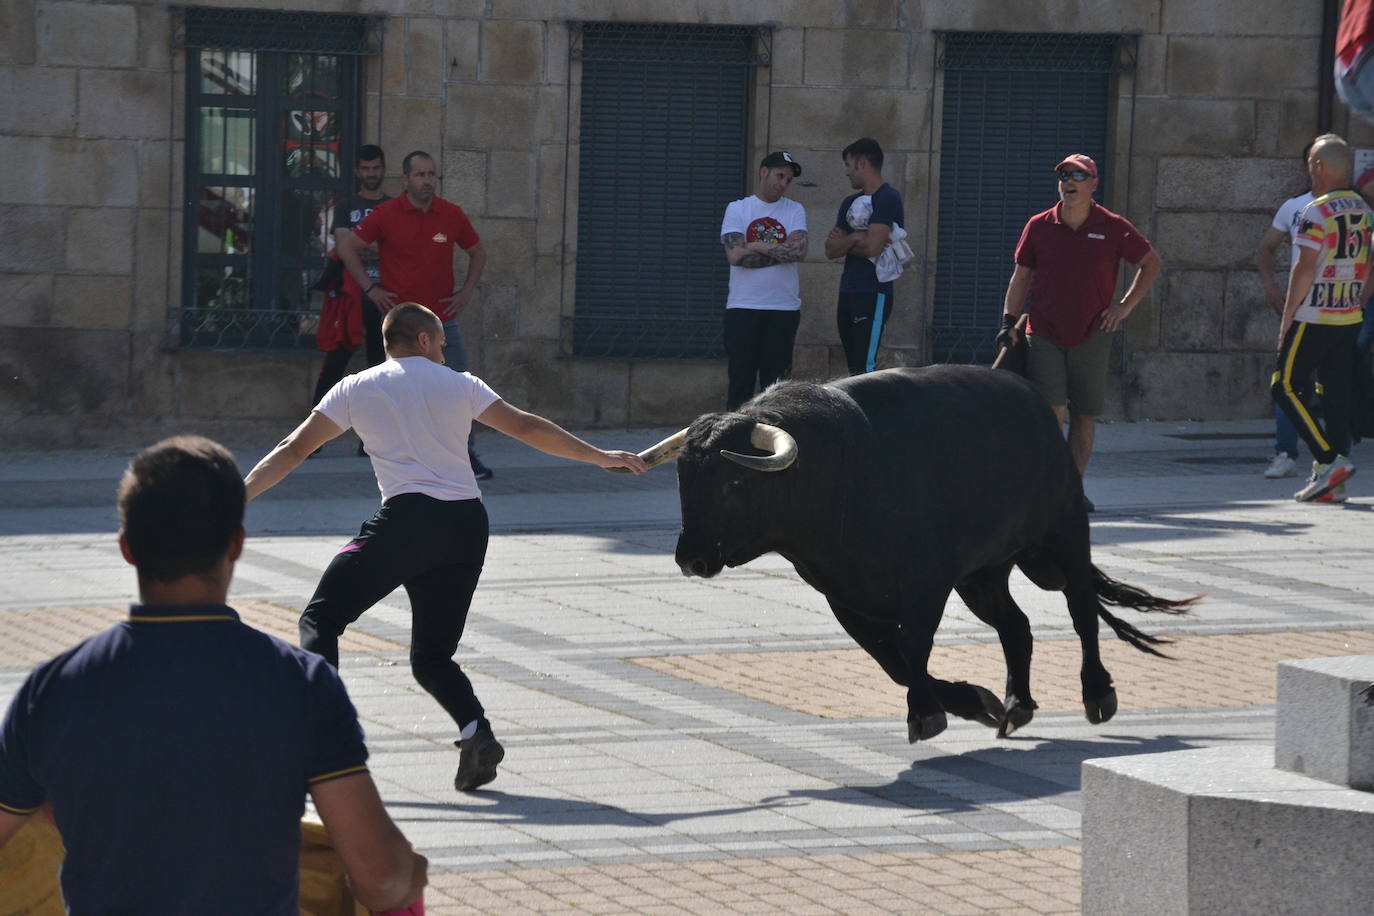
(886,491)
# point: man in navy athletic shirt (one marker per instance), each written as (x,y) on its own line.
(176,748)
(863,228)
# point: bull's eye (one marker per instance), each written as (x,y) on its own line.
(733,489)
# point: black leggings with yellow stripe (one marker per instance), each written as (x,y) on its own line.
(1328,350)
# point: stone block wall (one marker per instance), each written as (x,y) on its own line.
(1208,127)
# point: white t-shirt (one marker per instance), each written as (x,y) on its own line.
(775,287)
(1287,219)
(413,416)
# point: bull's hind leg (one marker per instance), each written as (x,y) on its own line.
(1071,551)
(988,597)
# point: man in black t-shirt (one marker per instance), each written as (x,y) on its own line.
(348,213)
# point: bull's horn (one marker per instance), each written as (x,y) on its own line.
(666,450)
(778,442)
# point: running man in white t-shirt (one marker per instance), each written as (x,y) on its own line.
(764,236)
(413,415)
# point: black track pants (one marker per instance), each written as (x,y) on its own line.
(435,548)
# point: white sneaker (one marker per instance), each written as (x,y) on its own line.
(1282,466)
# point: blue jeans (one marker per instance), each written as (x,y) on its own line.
(1285,434)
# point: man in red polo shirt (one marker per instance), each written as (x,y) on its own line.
(1067,260)
(415,235)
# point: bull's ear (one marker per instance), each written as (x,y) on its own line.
(655,455)
(781,448)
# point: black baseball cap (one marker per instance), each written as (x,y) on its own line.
(773,160)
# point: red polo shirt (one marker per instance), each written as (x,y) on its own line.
(415,247)
(1075,270)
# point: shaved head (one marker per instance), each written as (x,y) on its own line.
(1335,154)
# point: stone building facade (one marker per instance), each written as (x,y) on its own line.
(1208,108)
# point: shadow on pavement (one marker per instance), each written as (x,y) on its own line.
(508,808)
(968,782)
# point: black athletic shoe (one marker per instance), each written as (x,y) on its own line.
(480,755)
(1088,504)
(480,470)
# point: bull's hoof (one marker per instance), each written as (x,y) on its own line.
(1101,709)
(1017,716)
(923,728)
(992,711)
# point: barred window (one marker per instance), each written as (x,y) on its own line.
(1013,105)
(273,117)
(663,146)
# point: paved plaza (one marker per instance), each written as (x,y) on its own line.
(702,746)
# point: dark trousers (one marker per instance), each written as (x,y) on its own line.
(758,343)
(860,319)
(1328,350)
(435,548)
(372,333)
(335,368)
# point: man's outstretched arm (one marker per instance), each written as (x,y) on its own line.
(290,452)
(552,439)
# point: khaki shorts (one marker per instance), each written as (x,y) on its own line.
(1076,376)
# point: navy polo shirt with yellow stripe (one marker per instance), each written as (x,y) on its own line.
(176,749)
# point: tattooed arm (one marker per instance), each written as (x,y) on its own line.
(742,254)
(793,248)
(763,254)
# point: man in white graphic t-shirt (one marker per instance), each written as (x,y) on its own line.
(1284,228)
(764,236)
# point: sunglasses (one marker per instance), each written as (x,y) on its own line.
(1075,175)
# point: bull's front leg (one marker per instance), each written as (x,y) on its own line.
(925,717)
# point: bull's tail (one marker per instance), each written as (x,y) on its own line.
(1125,631)
(1120,594)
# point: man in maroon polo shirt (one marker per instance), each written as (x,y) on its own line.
(415,236)
(1067,260)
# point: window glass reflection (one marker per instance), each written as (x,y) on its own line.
(226,141)
(305,227)
(223,288)
(312,144)
(312,76)
(225,221)
(228,72)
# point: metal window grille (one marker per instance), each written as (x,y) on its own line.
(663,147)
(1013,104)
(259,30)
(273,104)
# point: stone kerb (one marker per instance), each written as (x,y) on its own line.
(1225,830)
(1325,729)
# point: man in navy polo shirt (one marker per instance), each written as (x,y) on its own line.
(1067,260)
(176,748)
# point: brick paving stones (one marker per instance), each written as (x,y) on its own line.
(1204,671)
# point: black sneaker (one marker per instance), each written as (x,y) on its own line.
(1088,504)
(477,762)
(480,470)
